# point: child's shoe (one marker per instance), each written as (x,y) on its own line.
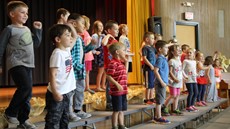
(204,103)
(161,120)
(194,108)
(165,112)
(153,100)
(177,112)
(11,119)
(27,125)
(122,127)
(189,109)
(90,91)
(199,104)
(148,102)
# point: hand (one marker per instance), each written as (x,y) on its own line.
(93,41)
(58,97)
(176,80)
(98,52)
(119,87)
(164,85)
(152,68)
(37,25)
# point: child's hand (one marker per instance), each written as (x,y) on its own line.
(152,68)
(176,80)
(120,88)
(37,25)
(58,97)
(93,41)
(164,85)
(98,52)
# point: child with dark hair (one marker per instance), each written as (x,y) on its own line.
(62,15)
(211,92)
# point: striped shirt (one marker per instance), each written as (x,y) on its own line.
(116,69)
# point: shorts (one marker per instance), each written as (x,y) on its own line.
(88,65)
(174,91)
(119,103)
(149,79)
(160,93)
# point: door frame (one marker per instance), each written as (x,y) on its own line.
(197,28)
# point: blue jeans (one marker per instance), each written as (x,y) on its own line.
(201,92)
(20,104)
(192,93)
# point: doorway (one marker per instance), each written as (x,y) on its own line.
(187,33)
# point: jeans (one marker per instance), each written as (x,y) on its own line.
(20,104)
(201,92)
(192,93)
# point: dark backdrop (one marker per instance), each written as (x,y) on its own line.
(45,11)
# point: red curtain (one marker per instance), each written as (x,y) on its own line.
(152,8)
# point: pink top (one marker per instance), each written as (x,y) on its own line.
(86,37)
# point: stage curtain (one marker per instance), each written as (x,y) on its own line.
(138,11)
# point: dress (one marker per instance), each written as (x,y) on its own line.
(211,92)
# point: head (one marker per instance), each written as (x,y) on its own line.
(77,21)
(123,29)
(60,35)
(18,12)
(117,50)
(161,47)
(216,63)
(148,38)
(97,27)
(184,48)
(199,56)
(190,54)
(174,51)
(111,27)
(62,15)
(87,22)
(208,60)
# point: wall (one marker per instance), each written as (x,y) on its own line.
(206,14)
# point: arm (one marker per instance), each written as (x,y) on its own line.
(74,34)
(119,87)
(201,66)
(208,76)
(163,84)
(183,68)
(37,33)
(142,45)
(148,63)
(172,75)
(53,73)
(106,39)
(4,39)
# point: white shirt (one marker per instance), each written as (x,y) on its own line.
(177,72)
(65,80)
(189,67)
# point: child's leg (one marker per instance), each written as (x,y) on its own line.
(175,102)
(190,94)
(151,93)
(147,94)
(121,118)
(158,111)
(87,80)
(200,88)
(79,95)
(65,116)
(203,92)
(195,92)
(103,81)
(99,77)
(115,119)
(20,103)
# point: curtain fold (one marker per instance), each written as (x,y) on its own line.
(138,11)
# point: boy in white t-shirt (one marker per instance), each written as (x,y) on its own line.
(61,78)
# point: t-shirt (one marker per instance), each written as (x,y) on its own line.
(149,52)
(65,78)
(86,37)
(162,64)
(116,69)
(19,44)
(183,56)
(189,67)
(125,40)
(107,55)
(177,72)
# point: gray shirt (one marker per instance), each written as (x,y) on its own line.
(19,44)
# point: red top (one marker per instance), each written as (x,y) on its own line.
(183,56)
(217,72)
(116,69)
(107,56)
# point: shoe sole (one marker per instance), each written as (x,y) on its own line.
(156,122)
(7,119)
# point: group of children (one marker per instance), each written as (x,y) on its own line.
(71,62)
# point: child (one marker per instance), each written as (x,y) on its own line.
(218,70)
(148,55)
(161,72)
(111,28)
(211,94)
(88,56)
(123,29)
(62,16)
(79,68)
(19,44)
(175,73)
(62,80)
(189,68)
(99,55)
(201,79)
(184,49)
(117,76)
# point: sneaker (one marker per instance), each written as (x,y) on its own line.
(90,91)
(83,115)
(73,117)
(148,102)
(122,127)
(11,119)
(153,100)
(194,108)
(99,90)
(27,125)
(199,104)
(189,109)
(161,120)
(177,112)
(204,103)
(165,112)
